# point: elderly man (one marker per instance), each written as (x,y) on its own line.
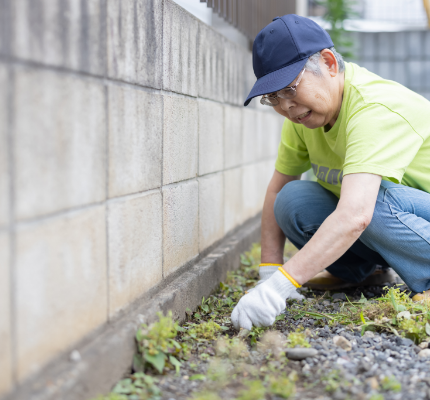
(368,142)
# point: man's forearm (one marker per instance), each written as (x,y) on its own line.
(272,237)
(334,237)
(340,230)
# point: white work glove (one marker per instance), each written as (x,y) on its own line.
(265,271)
(264,303)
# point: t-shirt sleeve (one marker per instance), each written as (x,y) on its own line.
(293,156)
(381,142)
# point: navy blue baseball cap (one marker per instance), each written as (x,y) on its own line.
(281,49)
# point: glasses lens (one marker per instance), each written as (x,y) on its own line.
(269,101)
(287,93)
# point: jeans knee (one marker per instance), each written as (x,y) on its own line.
(375,231)
(284,199)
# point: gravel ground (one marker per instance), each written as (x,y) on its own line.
(339,364)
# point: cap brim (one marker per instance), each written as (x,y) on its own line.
(276,80)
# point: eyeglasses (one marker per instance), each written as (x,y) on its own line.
(288,92)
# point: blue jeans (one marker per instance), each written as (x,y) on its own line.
(398,235)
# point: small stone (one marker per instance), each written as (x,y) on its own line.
(404,315)
(339,296)
(404,342)
(301,353)
(424,353)
(343,343)
(369,334)
(75,356)
(373,383)
(417,349)
(423,345)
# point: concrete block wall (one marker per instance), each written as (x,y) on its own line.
(125,153)
(400,56)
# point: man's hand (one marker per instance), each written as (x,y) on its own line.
(264,303)
(265,272)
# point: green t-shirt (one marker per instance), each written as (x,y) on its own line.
(383,128)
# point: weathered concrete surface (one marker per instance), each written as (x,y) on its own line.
(135,140)
(180,139)
(135,248)
(4,148)
(232,136)
(60,285)
(6,27)
(180,224)
(51,32)
(249,136)
(135,48)
(5,328)
(211,65)
(59,138)
(233,201)
(211,137)
(211,209)
(107,357)
(179,50)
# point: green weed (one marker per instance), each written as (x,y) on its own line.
(297,338)
(206,330)
(157,346)
(281,386)
(391,383)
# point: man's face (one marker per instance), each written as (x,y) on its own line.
(316,103)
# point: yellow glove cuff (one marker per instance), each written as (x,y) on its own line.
(289,277)
(270,265)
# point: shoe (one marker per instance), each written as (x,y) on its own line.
(324,280)
(422,296)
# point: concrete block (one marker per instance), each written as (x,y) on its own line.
(6,27)
(250,79)
(211,65)
(250,126)
(250,187)
(233,201)
(180,225)
(415,44)
(135,248)
(270,131)
(61,285)
(232,136)
(135,41)
(69,34)
(211,209)
(211,137)
(179,50)
(180,139)
(135,140)
(5,327)
(234,60)
(4,148)
(60,142)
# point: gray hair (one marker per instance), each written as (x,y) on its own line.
(313,62)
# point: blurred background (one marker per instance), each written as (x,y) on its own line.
(126,156)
